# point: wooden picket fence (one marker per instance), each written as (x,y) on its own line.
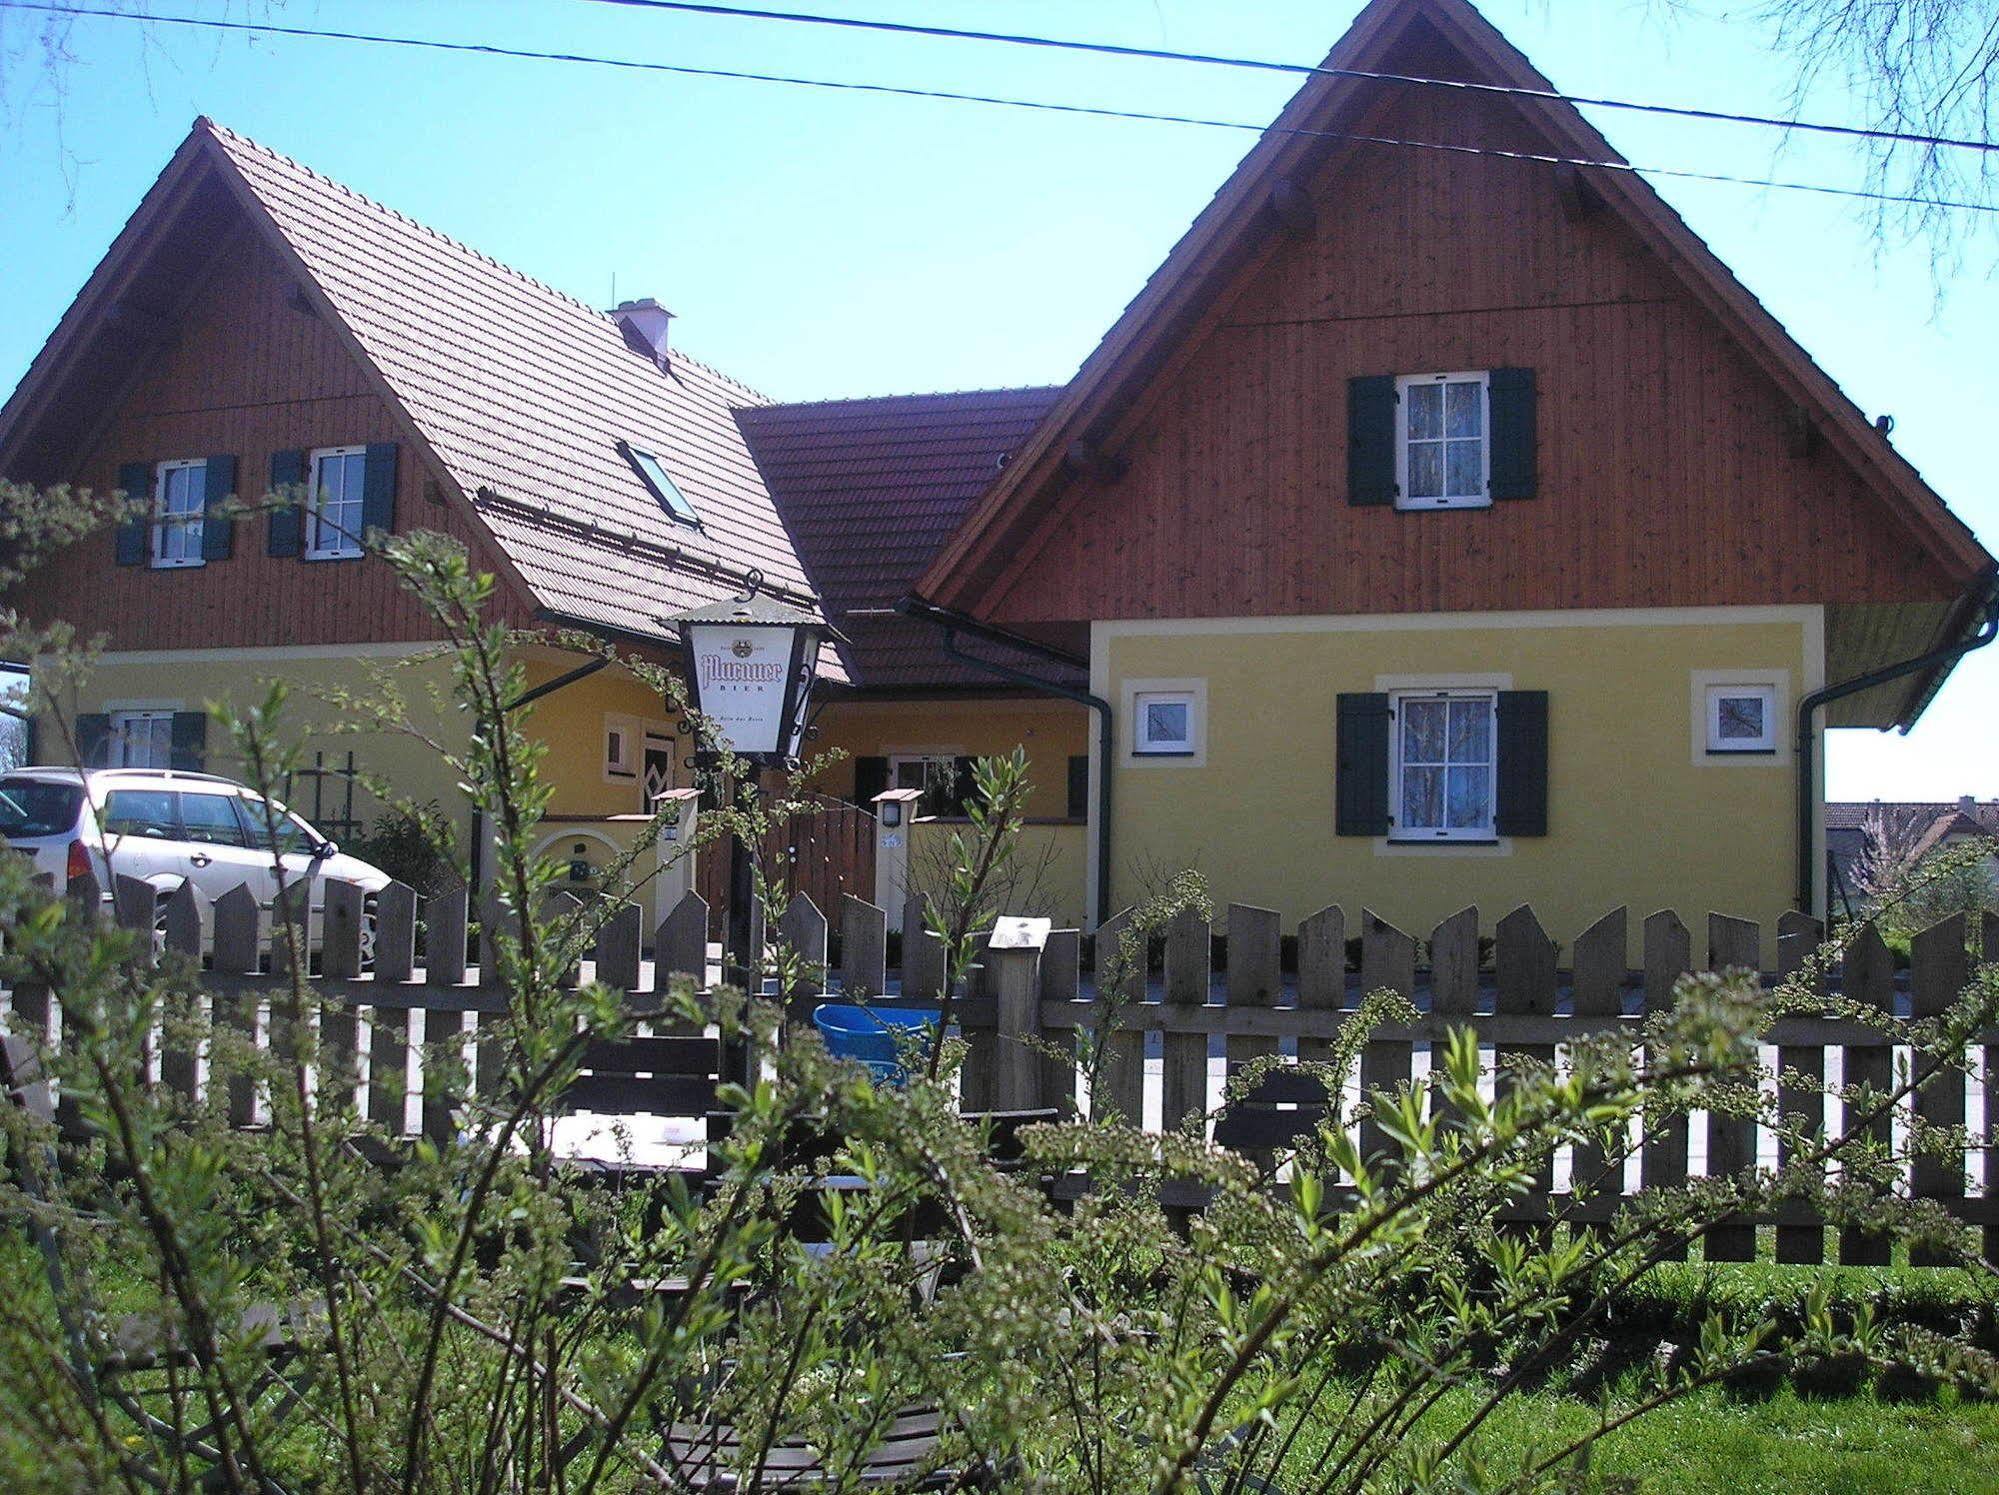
(1027,1001)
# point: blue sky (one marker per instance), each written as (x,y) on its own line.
(820,243)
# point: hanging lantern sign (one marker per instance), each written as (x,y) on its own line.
(750,664)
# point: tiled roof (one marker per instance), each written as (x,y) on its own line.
(870,489)
(1854,814)
(523,393)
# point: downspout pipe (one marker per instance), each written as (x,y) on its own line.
(954,624)
(1809,707)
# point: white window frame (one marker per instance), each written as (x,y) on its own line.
(341,546)
(631,767)
(120,737)
(1764,745)
(1143,744)
(1706,688)
(162,522)
(1486,831)
(1403,384)
(897,761)
(1134,750)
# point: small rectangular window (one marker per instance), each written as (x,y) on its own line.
(140,739)
(1444,765)
(334,520)
(1163,723)
(1742,719)
(1443,457)
(654,475)
(180,494)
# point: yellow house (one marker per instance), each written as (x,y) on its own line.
(1449,527)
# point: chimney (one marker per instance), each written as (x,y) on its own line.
(1967,804)
(643,322)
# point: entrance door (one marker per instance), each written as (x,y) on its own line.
(658,768)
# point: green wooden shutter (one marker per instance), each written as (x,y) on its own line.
(1510,397)
(287,523)
(1371,440)
(218,530)
(1361,782)
(1521,807)
(1079,787)
(93,737)
(378,488)
(870,779)
(188,744)
(135,531)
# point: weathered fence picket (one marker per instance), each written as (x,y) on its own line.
(405,1026)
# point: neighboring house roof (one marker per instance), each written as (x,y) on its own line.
(870,489)
(1966,817)
(1166,313)
(516,391)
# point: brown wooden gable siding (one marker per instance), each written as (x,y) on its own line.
(248,374)
(1664,473)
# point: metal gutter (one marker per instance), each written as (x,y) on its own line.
(1983,595)
(955,623)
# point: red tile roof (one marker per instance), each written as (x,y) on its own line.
(523,393)
(870,489)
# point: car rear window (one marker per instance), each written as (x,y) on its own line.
(32,807)
(141,812)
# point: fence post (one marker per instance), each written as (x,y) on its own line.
(340,930)
(1322,974)
(1013,957)
(1061,971)
(1668,953)
(1868,978)
(864,948)
(676,874)
(1939,971)
(1733,944)
(680,947)
(1988,950)
(1120,1079)
(1597,980)
(395,934)
(618,952)
(1525,971)
(1184,1074)
(895,823)
(1387,959)
(803,928)
(1803,1107)
(183,937)
(975,1080)
(1255,975)
(922,952)
(445,916)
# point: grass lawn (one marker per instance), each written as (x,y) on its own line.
(1786,1445)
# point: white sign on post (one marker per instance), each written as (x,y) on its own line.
(741,674)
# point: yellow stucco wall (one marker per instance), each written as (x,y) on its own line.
(1044,878)
(186,680)
(1051,731)
(571,722)
(1633,817)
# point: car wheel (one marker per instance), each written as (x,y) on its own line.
(370,913)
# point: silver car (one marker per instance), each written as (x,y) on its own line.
(168,827)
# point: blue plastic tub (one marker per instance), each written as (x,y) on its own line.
(862,1033)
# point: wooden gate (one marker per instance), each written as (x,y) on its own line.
(822,852)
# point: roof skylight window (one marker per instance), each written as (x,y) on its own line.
(655,477)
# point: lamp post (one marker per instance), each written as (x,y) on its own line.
(750,664)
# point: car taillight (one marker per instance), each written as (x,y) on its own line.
(79,862)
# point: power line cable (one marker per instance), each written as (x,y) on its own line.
(489,49)
(1305,69)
